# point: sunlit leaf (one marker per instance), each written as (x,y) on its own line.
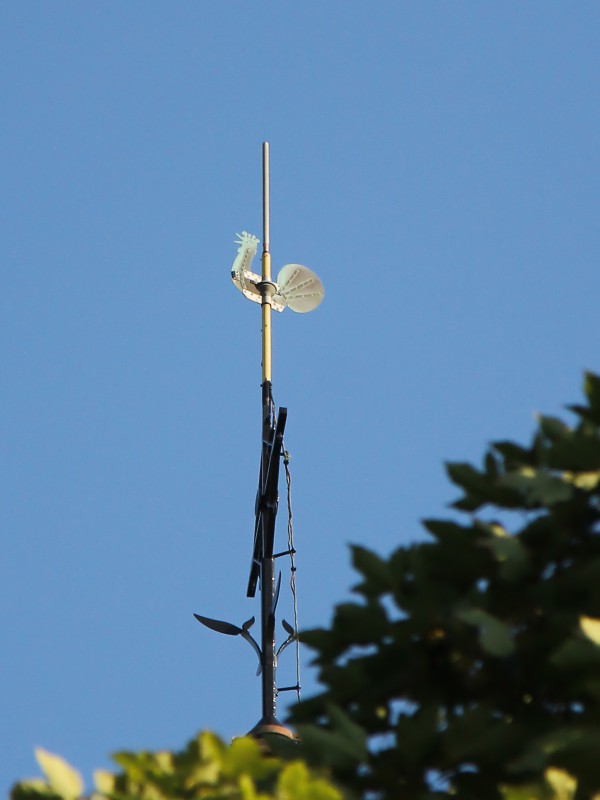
(591,627)
(563,785)
(62,778)
(212,747)
(245,757)
(247,788)
(587,481)
(104,781)
(295,783)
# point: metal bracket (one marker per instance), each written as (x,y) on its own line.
(232,630)
(266,502)
(293,635)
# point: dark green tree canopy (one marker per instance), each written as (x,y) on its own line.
(471,662)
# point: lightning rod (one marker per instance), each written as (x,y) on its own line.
(301,290)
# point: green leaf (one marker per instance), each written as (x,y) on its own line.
(354,735)
(245,757)
(525,792)
(494,635)
(591,388)
(491,465)
(135,765)
(514,453)
(317,639)
(328,747)
(538,487)
(553,428)
(560,745)
(296,783)
(469,503)
(247,788)
(591,628)
(508,551)
(467,477)
(62,778)
(587,481)
(416,732)
(562,784)
(578,453)
(359,624)
(212,748)
(375,569)
(450,533)
(576,654)
(32,789)
(481,488)
(581,651)
(104,781)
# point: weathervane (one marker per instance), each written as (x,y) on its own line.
(299,289)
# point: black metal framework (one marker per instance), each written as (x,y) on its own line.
(263,561)
(262,568)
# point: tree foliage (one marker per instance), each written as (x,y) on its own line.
(468,666)
(207,769)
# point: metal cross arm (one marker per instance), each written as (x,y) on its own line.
(266,501)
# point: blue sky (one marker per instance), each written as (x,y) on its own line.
(436,163)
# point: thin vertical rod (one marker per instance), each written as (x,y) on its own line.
(266,198)
(267,572)
(267,287)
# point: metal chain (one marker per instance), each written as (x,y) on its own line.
(292,551)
